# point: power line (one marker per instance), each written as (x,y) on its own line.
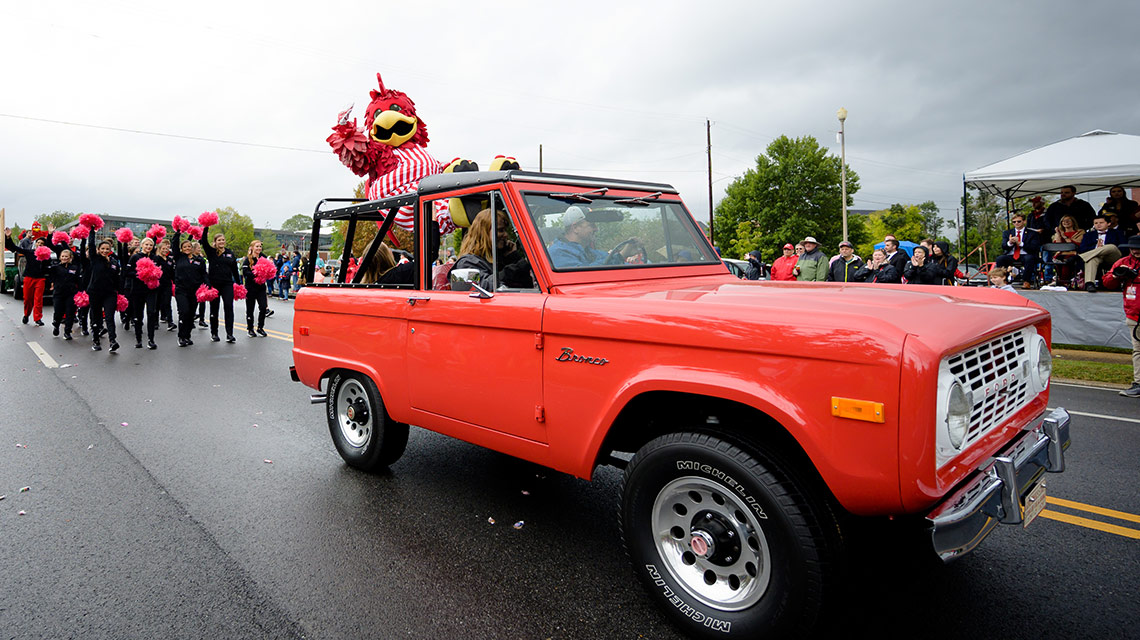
(163,135)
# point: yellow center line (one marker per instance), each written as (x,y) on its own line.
(280,333)
(1119,515)
(1091,524)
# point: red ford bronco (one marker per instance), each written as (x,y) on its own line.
(752,419)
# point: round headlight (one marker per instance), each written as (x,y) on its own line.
(1044,367)
(959,405)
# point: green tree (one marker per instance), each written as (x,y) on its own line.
(269,243)
(299,222)
(984,221)
(931,219)
(238,230)
(56,218)
(794,191)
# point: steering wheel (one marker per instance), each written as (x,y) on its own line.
(614,256)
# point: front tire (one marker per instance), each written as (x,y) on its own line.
(363,432)
(723,539)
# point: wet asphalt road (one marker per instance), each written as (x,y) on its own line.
(174,526)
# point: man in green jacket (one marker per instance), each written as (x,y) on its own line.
(812,266)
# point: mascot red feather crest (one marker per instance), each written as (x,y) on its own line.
(390,151)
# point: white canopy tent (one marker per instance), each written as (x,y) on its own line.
(1093,161)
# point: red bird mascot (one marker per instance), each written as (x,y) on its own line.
(391,152)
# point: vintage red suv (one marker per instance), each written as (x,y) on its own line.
(752,419)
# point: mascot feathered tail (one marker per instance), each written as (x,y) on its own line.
(390,152)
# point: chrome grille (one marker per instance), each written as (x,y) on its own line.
(997,374)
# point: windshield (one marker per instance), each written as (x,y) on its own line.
(597,232)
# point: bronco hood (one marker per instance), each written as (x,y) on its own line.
(942,317)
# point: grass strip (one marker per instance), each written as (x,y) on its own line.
(1093,371)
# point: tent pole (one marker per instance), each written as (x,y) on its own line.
(965,221)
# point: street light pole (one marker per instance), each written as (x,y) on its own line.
(842,113)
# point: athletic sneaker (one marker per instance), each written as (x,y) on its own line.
(1132,392)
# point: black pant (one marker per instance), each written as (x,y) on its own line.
(255,294)
(187,305)
(164,296)
(201,311)
(142,299)
(63,310)
(225,299)
(103,313)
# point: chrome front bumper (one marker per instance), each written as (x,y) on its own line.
(995,494)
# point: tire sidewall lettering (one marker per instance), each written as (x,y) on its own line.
(715,473)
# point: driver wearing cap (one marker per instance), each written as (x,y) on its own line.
(575,247)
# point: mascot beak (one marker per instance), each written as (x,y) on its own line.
(393,128)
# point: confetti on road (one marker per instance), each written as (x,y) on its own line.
(267,461)
(64,366)
(24,513)
(255,426)
(91,446)
(149,400)
(491,520)
(218,385)
(525,492)
(123,424)
(25,489)
(259,412)
(21,446)
(520,523)
(2,497)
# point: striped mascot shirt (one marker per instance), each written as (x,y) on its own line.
(414,163)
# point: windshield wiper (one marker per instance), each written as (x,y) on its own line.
(580,197)
(643,201)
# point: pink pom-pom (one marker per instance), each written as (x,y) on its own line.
(156,232)
(180,224)
(149,272)
(195,232)
(82,299)
(43,253)
(60,237)
(206,293)
(264,270)
(121,303)
(124,235)
(80,232)
(91,221)
(240,292)
(208,219)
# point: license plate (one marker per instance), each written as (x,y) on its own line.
(1034,504)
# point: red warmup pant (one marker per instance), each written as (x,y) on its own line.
(34,297)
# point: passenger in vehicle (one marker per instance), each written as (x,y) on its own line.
(381,263)
(475,253)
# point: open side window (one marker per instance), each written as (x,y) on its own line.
(491,257)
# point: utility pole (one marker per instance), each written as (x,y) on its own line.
(708,136)
(842,114)
(540,158)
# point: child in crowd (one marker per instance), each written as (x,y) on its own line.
(999,278)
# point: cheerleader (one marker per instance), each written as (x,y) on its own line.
(127,280)
(189,274)
(35,276)
(142,297)
(166,285)
(103,292)
(255,293)
(223,273)
(67,277)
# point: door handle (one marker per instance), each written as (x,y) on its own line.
(414,299)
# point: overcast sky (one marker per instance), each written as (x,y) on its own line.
(607,88)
